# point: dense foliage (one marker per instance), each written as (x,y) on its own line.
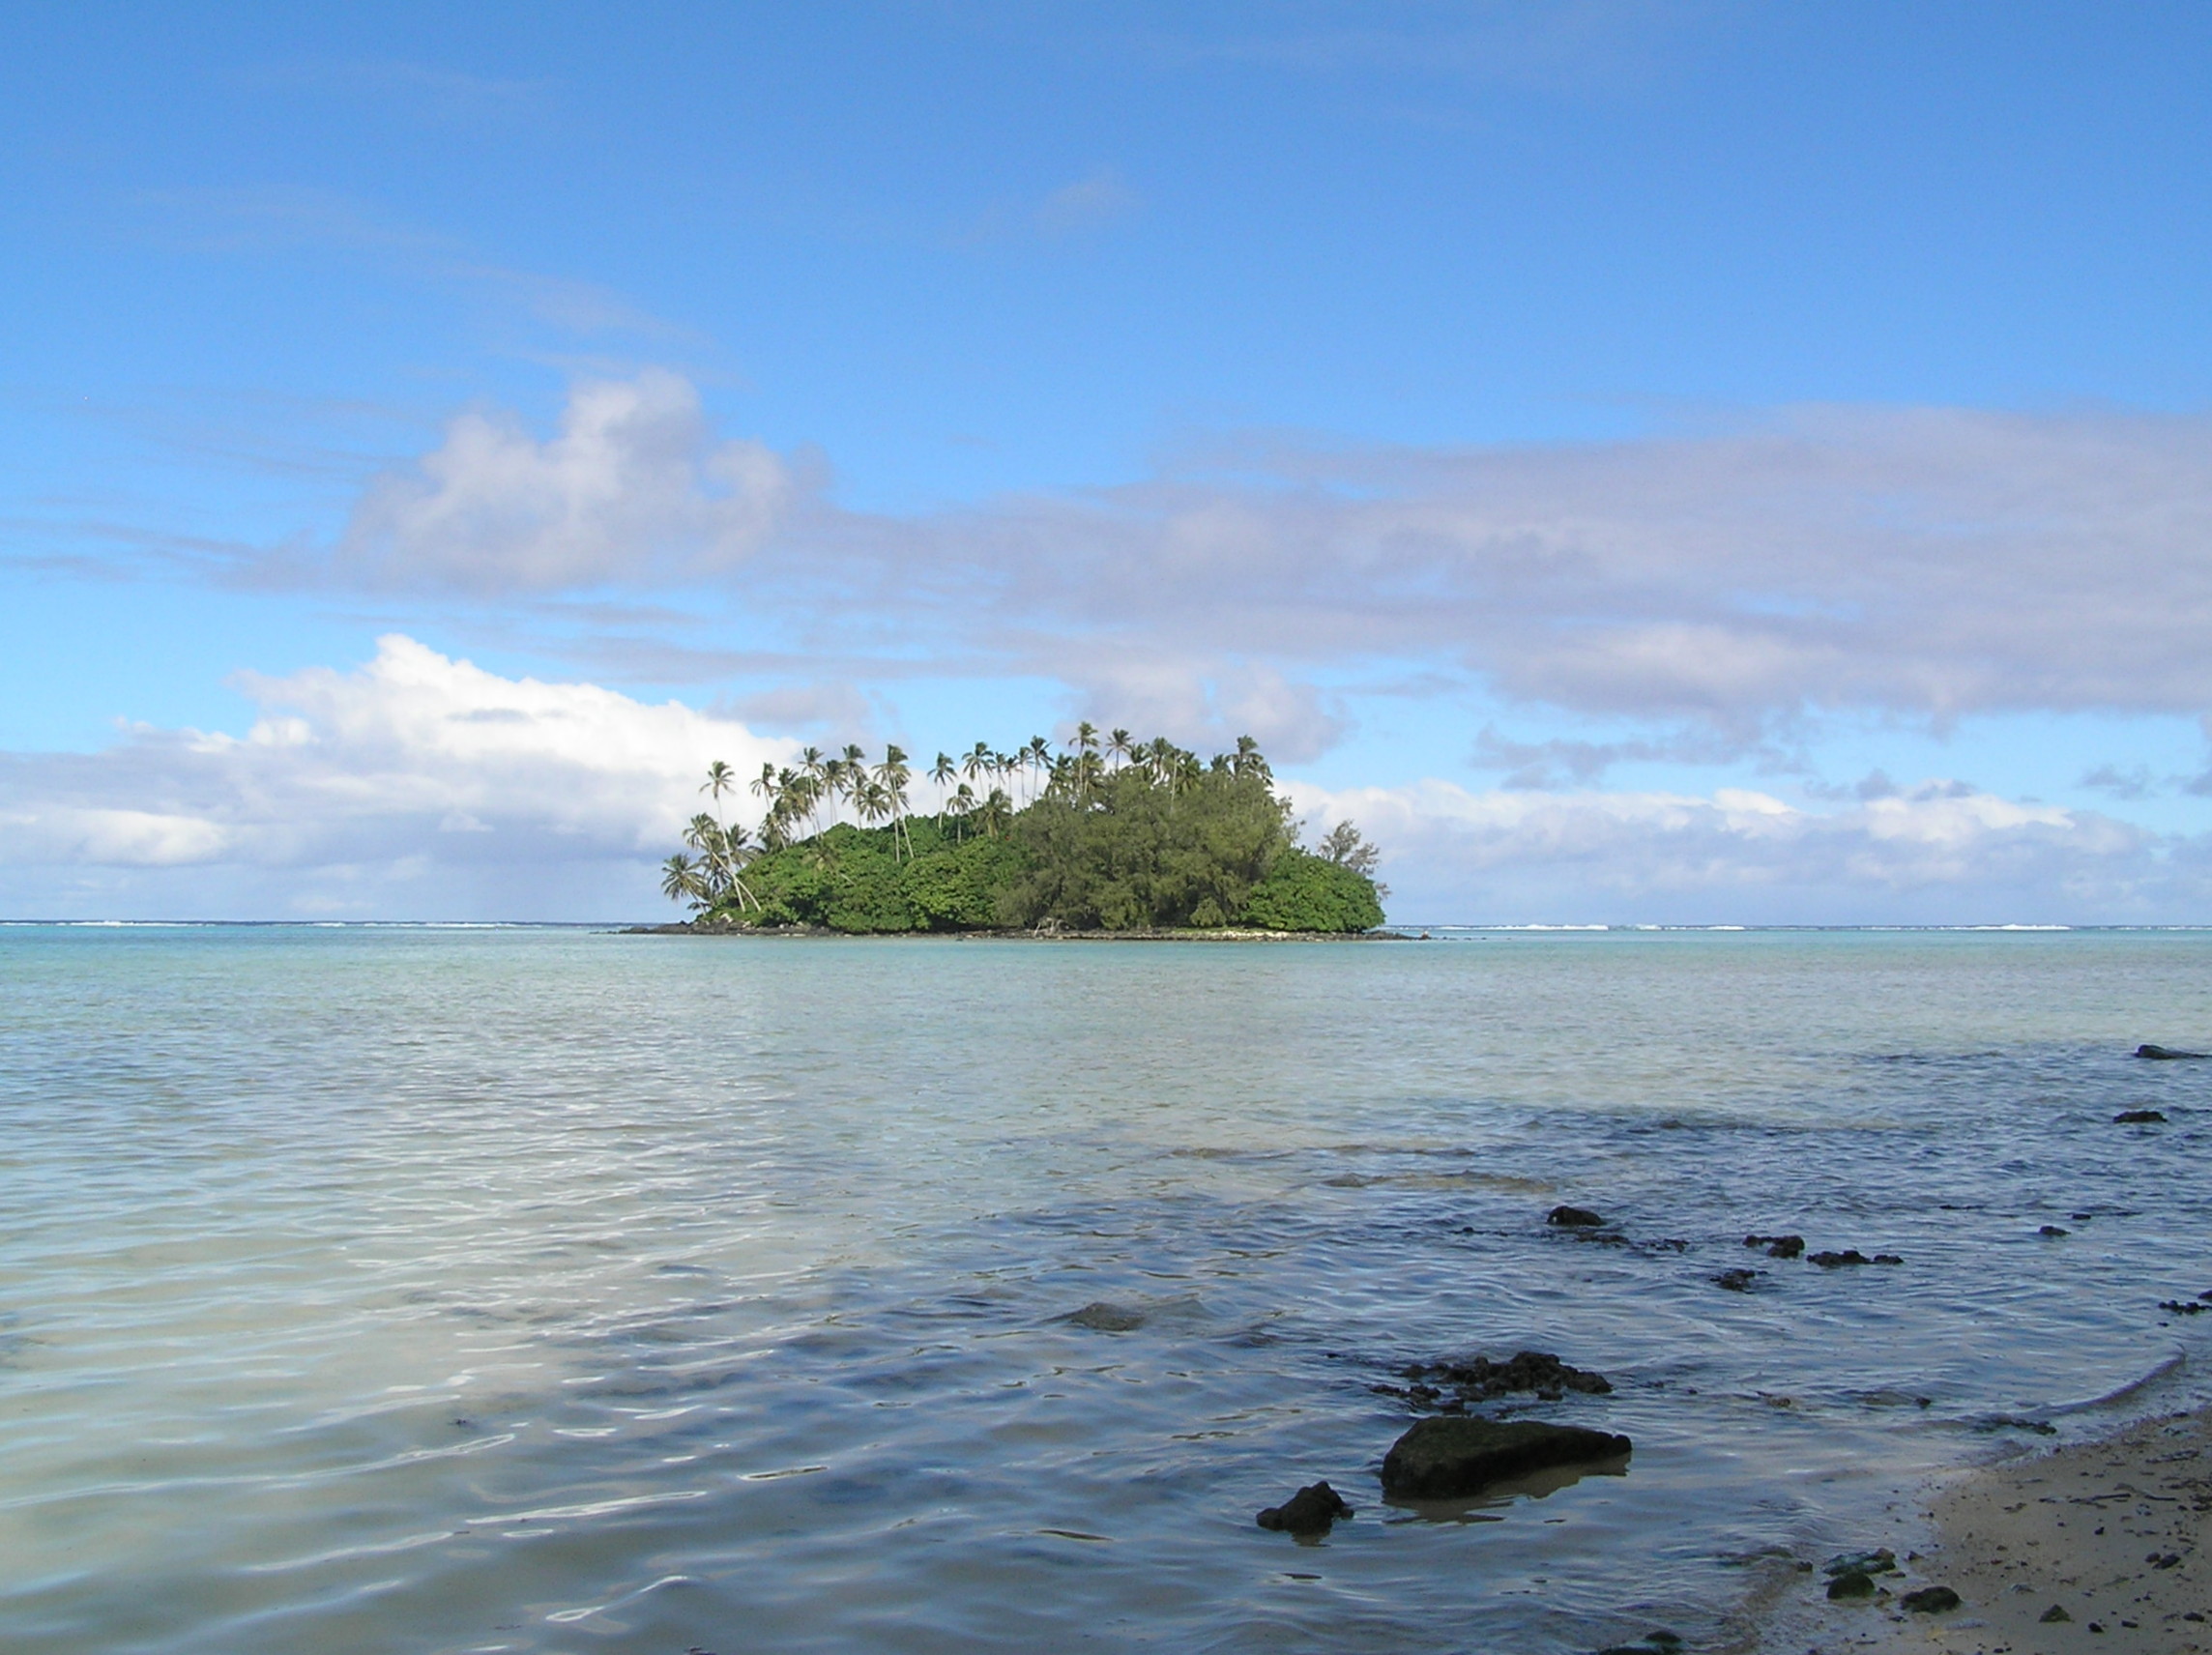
(1138,837)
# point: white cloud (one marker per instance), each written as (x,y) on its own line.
(632,489)
(1938,855)
(1930,562)
(416,785)
(1726,586)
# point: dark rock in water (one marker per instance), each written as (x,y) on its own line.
(1309,1511)
(1654,1644)
(1478,1378)
(2053,1616)
(1880,1561)
(1573,1218)
(1737,1281)
(1107,1318)
(2054,1230)
(1929,1600)
(2012,1422)
(2139,1117)
(2185,1306)
(2167,1053)
(1888,1259)
(1450,1458)
(1837,1260)
(1777,1246)
(1851,1583)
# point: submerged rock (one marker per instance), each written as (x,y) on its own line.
(1778,1246)
(1737,1280)
(2053,1231)
(1477,1378)
(1104,1318)
(2139,1117)
(2167,1053)
(1309,1511)
(1852,1256)
(1574,1218)
(1929,1600)
(1451,1457)
(1880,1561)
(1851,1583)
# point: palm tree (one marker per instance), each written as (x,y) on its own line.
(943,773)
(1039,755)
(894,774)
(1119,748)
(720,779)
(995,813)
(766,788)
(680,880)
(871,802)
(815,769)
(1087,737)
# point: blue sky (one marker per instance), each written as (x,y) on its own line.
(1692,462)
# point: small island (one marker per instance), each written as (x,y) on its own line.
(1111,837)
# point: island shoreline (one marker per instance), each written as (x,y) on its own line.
(1231,934)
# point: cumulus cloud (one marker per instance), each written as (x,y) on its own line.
(417,785)
(632,489)
(1940,854)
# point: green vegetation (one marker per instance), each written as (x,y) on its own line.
(1114,835)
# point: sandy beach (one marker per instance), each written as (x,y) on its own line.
(2093,1547)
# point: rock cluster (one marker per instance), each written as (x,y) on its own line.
(1477,1378)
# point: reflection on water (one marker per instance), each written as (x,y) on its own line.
(534,1292)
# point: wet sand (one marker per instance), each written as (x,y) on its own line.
(2106,1533)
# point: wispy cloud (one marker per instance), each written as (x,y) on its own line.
(1571,46)
(428,93)
(1074,211)
(1088,203)
(266,220)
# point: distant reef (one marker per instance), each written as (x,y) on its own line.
(1113,838)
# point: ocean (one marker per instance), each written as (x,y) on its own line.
(392,1290)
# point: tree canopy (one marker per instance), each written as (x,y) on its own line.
(1113,836)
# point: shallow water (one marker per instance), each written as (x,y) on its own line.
(404,1291)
